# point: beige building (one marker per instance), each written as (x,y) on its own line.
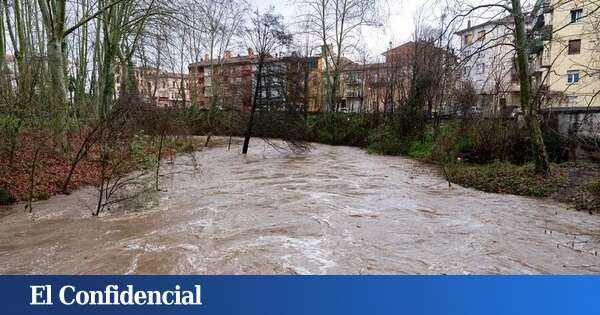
(160,87)
(569,63)
(565,57)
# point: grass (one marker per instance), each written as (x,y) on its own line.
(506,178)
(587,198)
(422,150)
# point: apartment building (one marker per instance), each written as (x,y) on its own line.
(165,89)
(233,80)
(229,77)
(564,50)
(488,64)
(382,87)
(567,61)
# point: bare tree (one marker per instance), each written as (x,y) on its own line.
(337,23)
(265,33)
(515,20)
(220,21)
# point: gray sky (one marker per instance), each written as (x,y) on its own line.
(398,28)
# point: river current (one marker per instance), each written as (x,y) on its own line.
(333,210)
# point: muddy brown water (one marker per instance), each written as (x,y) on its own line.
(334,210)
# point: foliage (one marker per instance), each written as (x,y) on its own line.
(505,178)
(340,129)
(422,149)
(6,197)
(557,145)
(587,198)
(482,140)
(384,140)
(10,128)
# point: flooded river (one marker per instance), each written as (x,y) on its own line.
(334,210)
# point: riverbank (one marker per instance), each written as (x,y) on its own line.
(39,172)
(491,155)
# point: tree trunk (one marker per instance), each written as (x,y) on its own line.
(257,89)
(58,91)
(542,165)
(3,64)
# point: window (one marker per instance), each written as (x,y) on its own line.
(572,76)
(468,39)
(572,100)
(576,15)
(480,68)
(503,102)
(575,47)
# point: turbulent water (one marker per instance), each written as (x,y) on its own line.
(334,210)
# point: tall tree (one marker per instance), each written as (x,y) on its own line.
(220,22)
(542,166)
(265,33)
(519,40)
(337,23)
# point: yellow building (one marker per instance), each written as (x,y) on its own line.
(159,87)
(570,59)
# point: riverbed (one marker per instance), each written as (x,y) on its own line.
(333,210)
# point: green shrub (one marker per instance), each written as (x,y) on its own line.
(482,141)
(593,186)
(450,144)
(384,140)
(422,149)
(506,178)
(340,128)
(10,128)
(6,198)
(557,145)
(587,197)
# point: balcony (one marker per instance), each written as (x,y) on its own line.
(352,94)
(547,6)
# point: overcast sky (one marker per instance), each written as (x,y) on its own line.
(398,28)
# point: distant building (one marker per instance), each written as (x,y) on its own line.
(229,77)
(563,47)
(488,64)
(383,87)
(233,80)
(165,89)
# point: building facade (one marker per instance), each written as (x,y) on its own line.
(229,82)
(165,89)
(383,87)
(487,60)
(567,60)
(564,48)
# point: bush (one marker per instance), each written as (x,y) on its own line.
(587,198)
(482,141)
(6,198)
(384,140)
(557,145)
(340,128)
(505,178)
(422,150)
(10,128)
(450,144)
